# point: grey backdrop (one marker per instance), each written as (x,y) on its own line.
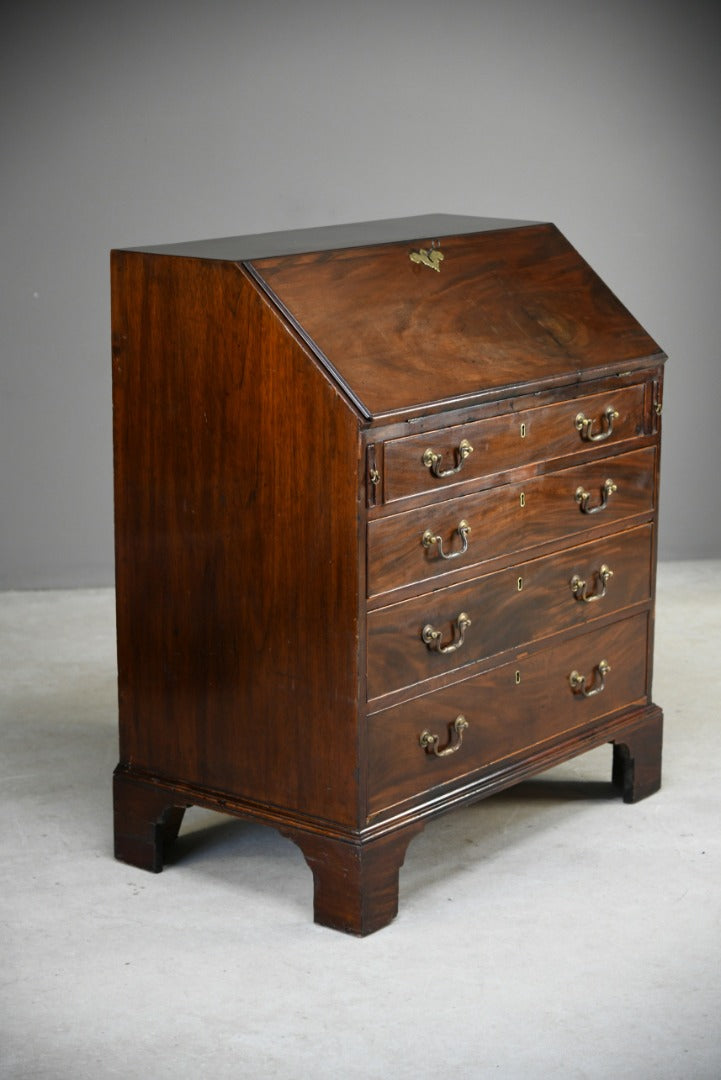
(156,122)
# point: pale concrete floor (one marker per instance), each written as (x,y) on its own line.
(545,933)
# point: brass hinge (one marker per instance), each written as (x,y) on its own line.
(656,404)
(374,476)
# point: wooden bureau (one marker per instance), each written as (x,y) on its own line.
(386,517)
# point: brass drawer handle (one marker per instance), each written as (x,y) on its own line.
(582,498)
(578,585)
(432,460)
(428,540)
(584,425)
(430,742)
(578,682)
(432,637)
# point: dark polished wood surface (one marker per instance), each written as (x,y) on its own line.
(270,419)
(511,518)
(510,441)
(507,308)
(527,602)
(509,709)
(237,589)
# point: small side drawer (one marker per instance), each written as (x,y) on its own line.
(505,610)
(404,548)
(510,709)
(506,442)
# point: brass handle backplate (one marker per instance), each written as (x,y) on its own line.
(578,681)
(432,460)
(583,498)
(429,540)
(430,742)
(432,637)
(584,425)
(578,585)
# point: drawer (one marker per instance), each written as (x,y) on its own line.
(507,442)
(429,542)
(512,607)
(513,708)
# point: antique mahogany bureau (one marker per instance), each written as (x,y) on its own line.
(386,513)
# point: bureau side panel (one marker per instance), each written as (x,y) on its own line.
(237,535)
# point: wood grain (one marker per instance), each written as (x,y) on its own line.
(507,519)
(271,597)
(526,602)
(505,717)
(510,441)
(237,590)
(507,308)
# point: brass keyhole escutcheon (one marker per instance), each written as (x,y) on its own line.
(431,257)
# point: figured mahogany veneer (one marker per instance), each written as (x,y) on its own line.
(512,709)
(528,601)
(510,518)
(330,443)
(505,309)
(509,441)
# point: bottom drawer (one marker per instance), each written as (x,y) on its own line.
(504,711)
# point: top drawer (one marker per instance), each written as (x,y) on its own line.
(431,462)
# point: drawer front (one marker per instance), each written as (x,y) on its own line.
(510,709)
(507,609)
(415,464)
(415,546)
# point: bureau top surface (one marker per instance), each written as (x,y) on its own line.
(330,237)
(411,313)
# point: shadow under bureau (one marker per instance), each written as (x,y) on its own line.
(385,517)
